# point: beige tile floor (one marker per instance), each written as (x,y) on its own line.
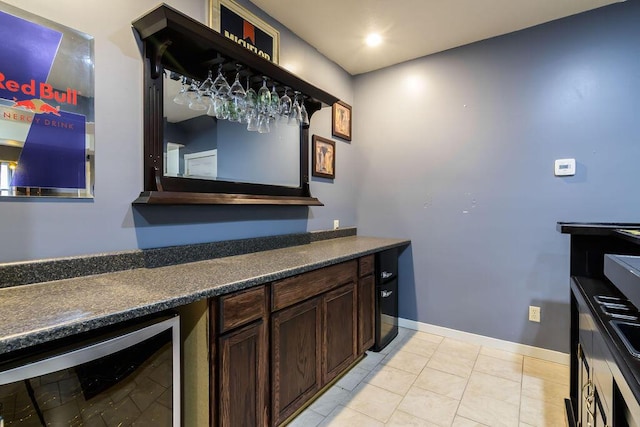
(422,379)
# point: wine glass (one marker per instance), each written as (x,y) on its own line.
(264,96)
(206,93)
(285,106)
(181,97)
(220,84)
(221,96)
(237,100)
(206,86)
(294,115)
(221,106)
(274,106)
(263,123)
(253,121)
(195,100)
(304,116)
(250,103)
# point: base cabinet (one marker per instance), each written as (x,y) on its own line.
(295,358)
(366,303)
(275,346)
(239,357)
(244,376)
(339,331)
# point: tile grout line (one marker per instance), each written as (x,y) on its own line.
(465,388)
(521,390)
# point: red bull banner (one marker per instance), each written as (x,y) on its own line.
(46,108)
(239,25)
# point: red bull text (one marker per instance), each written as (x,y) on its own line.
(39,90)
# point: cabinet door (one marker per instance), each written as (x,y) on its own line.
(366,310)
(339,342)
(295,357)
(585,399)
(600,416)
(244,376)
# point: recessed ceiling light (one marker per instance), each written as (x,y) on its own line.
(373,39)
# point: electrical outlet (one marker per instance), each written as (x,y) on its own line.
(336,224)
(534,313)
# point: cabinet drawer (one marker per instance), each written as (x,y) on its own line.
(304,286)
(242,307)
(365,265)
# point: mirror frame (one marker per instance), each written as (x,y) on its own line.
(173,40)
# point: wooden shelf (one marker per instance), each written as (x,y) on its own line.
(183,198)
(186,45)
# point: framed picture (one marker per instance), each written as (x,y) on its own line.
(243,27)
(341,120)
(324,157)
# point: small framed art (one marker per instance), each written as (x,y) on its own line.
(324,157)
(341,120)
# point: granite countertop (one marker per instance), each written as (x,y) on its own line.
(38,313)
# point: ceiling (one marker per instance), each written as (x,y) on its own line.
(409,28)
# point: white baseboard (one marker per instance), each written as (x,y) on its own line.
(527,350)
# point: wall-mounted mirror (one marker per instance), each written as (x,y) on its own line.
(199,146)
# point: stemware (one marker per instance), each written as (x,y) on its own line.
(237,105)
(181,97)
(285,106)
(251,97)
(304,116)
(253,121)
(220,84)
(274,106)
(294,115)
(195,100)
(264,96)
(260,111)
(263,123)
(221,96)
(206,86)
(206,93)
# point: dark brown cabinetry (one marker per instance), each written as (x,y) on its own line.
(366,303)
(239,357)
(314,334)
(339,331)
(243,376)
(296,357)
(275,346)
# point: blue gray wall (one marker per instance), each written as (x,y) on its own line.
(458,156)
(34,229)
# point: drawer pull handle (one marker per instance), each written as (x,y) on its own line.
(386,294)
(386,274)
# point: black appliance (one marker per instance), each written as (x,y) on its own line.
(386,312)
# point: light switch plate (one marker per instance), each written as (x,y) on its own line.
(565,167)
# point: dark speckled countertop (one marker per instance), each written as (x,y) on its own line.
(37,313)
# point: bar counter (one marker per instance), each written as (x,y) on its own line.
(41,312)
